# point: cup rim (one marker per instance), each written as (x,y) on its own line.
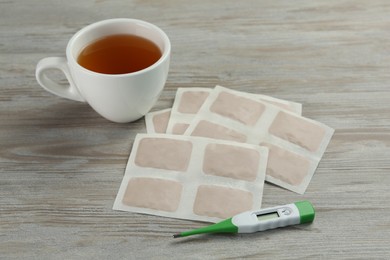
(164,56)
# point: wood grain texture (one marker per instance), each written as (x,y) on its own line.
(61,164)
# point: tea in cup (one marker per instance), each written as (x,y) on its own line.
(118,66)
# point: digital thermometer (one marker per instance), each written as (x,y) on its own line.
(253,221)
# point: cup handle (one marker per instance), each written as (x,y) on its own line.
(70,91)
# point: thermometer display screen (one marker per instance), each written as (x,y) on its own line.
(267,216)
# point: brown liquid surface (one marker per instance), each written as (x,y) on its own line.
(119,54)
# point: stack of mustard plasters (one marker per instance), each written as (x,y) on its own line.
(208,156)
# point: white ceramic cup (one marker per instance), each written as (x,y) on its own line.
(117,97)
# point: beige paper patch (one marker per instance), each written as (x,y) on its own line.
(221,202)
(298,131)
(179,129)
(164,153)
(172,193)
(157,121)
(160,122)
(153,193)
(286,166)
(231,161)
(211,130)
(191,97)
(245,110)
(293,133)
(192,101)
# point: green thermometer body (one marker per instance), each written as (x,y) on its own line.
(254,221)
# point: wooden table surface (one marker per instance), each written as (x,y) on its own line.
(61,164)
